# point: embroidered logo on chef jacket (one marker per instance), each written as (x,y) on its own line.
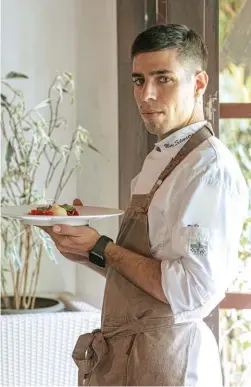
(199,248)
(177,142)
(198,238)
(194,238)
(173,144)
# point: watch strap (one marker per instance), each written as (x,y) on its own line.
(96,254)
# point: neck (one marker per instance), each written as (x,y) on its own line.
(196,116)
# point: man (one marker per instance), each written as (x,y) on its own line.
(176,252)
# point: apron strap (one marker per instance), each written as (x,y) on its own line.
(195,140)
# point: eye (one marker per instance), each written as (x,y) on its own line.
(138,81)
(164,79)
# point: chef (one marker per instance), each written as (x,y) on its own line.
(177,249)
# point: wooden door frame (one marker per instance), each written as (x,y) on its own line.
(133,16)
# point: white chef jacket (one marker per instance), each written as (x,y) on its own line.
(195,221)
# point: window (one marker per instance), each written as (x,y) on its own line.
(235,132)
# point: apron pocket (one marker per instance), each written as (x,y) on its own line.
(112,370)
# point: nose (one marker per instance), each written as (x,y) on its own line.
(148,92)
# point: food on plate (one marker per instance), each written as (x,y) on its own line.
(55,210)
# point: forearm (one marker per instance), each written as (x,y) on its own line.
(142,271)
(84,261)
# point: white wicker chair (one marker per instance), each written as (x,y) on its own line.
(36,349)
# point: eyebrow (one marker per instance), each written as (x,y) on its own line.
(155,72)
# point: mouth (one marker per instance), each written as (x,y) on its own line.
(150,114)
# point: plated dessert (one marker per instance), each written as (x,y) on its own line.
(49,215)
(55,210)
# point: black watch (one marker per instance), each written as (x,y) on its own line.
(96,254)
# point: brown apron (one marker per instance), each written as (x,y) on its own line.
(138,344)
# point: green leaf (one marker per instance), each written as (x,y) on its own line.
(13,74)
(69,75)
(47,243)
(246,345)
(43,104)
(54,146)
(246,325)
(93,148)
(3,97)
(67,207)
(9,153)
(13,255)
(4,101)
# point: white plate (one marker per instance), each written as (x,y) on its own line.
(86,214)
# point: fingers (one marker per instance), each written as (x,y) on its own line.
(63,229)
(77,202)
(60,241)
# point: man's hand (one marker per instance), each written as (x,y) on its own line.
(73,242)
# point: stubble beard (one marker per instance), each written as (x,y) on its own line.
(152,128)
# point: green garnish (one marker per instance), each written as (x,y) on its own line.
(67,207)
(44,208)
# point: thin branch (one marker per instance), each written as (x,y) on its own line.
(31,148)
(66,181)
(19,276)
(51,164)
(38,265)
(10,193)
(56,112)
(26,269)
(7,140)
(64,170)
(12,271)
(4,296)
(17,186)
(50,104)
(55,118)
(13,126)
(54,170)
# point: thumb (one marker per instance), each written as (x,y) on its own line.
(77,202)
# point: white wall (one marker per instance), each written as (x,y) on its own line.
(40,38)
(97,108)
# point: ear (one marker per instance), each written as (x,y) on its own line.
(201,81)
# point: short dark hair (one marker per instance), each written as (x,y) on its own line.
(191,47)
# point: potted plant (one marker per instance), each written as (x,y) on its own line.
(33,155)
